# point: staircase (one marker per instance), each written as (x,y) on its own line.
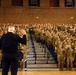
(39,57)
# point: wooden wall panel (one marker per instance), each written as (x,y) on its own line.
(43,14)
(5,3)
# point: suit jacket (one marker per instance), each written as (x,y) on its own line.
(9,42)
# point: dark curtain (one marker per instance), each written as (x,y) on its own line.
(17,2)
(34,2)
(54,3)
(69,2)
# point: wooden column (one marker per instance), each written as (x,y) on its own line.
(54,3)
(62,3)
(75,3)
(44,3)
(5,3)
(26,3)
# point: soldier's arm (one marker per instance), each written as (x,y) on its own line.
(22,39)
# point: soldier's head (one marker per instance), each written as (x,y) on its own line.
(11,29)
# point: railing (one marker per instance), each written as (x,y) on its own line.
(42,46)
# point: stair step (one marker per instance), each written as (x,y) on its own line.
(40,59)
(31,56)
(42,65)
(43,69)
(36,53)
(41,62)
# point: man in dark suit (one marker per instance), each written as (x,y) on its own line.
(9,46)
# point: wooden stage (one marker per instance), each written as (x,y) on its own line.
(45,73)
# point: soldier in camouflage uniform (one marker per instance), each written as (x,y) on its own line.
(37,35)
(23,50)
(60,55)
(74,48)
(69,55)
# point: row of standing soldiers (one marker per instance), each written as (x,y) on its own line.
(63,42)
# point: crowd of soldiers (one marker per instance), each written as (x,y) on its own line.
(61,36)
(63,39)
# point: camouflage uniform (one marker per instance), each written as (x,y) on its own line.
(75,55)
(69,55)
(60,56)
(42,36)
(37,35)
(23,49)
